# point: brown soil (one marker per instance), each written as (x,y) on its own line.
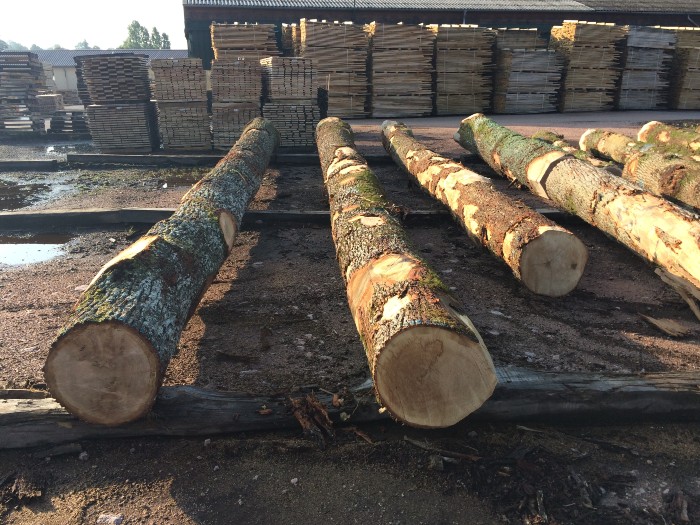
(276,319)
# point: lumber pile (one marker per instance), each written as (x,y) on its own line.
(236,88)
(401,70)
(48,104)
(527,81)
(68,122)
(109,358)
(429,365)
(646,65)
(592,55)
(339,53)
(49,83)
(21,79)
(463,68)
(519,38)
(121,117)
(290,99)
(685,70)
(70,97)
(249,41)
(180,90)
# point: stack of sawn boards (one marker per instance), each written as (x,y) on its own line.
(339,53)
(592,53)
(249,41)
(463,67)
(121,117)
(21,78)
(291,103)
(685,71)
(180,90)
(528,76)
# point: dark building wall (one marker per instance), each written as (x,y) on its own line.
(198,19)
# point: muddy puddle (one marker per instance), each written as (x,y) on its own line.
(16,251)
(17,194)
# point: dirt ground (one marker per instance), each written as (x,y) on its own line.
(276,320)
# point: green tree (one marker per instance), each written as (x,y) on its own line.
(137,38)
(3,45)
(165,41)
(15,46)
(84,45)
(156,39)
(57,46)
(34,47)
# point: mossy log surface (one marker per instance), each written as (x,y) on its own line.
(557,140)
(652,227)
(671,137)
(108,360)
(429,365)
(547,258)
(652,168)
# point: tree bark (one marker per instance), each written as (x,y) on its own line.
(655,169)
(558,141)
(650,226)
(429,365)
(108,360)
(548,259)
(671,137)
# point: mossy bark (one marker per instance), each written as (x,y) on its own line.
(557,140)
(653,168)
(671,137)
(147,293)
(650,226)
(502,225)
(390,290)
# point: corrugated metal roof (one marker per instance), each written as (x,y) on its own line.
(64,57)
(646,6)
(424,5)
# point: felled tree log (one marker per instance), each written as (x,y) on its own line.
(650,226)
(557,140)
(548,259)
(671,137)
(107,363)
(429,365)
(654,169)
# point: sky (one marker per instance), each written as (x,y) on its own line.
(104,24)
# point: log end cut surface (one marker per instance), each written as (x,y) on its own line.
(103,373)
(432,378)
(553,263)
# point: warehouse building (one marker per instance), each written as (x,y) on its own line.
(541,14)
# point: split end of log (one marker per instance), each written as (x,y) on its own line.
(553,263)
(644,131)
(582,141)
(104,373)
(430,377)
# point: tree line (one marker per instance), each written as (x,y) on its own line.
(138,37)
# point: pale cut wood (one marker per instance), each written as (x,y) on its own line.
(655,169)
(685,139)
(429,365)
(548,259)
(652,227)
(558,141)
(108,360)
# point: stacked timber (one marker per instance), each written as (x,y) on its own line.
(21,79)
(463,68)
(592,55)
(646,65)
(180,90)
(70,97)
(49,83)
(518,38)
(121,117)
(401,70)
(685,71)
(251,41)
(527,80)
(83,94)
(68,122)
(236,88)
(339,53)
(48,104)
(290,99)
(287,40)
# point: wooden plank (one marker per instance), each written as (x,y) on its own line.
(28,165)
(46,220)
(521,395)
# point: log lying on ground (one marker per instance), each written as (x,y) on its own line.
(652,227)
(548,259)
(107,363)
(429,365)
(683,139)
(654,169)
(557,140)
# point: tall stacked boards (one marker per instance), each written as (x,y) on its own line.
(236,91)
(21,78)
(248,41)
(646,67)
(519,38)
(685,71)
(463,68)
(401,70)
(290,99)
(592,53)
(121,117)
(339,54)
(180,90)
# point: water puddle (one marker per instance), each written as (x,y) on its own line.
(15,195)
(16,251)
(74,147)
